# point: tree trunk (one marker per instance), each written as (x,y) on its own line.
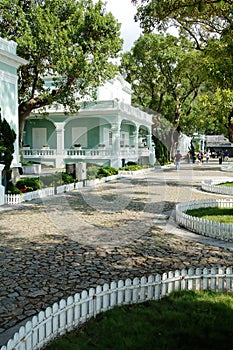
(25,109)
(230,126)
(22,119)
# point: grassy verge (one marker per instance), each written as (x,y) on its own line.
(228,184)
(183,320)
(224,215)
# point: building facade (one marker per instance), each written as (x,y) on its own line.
(108,131)
(9,63)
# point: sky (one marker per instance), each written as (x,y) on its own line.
(124,11)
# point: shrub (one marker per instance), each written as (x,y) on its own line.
(51,180)
(27,163)
(131,167)
(67,179)
(131,163)
(106,171)
(92,172)
(12,189)
(29,184)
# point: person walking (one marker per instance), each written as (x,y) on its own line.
(177,159)
(207,156)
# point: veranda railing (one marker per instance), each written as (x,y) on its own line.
(70,313)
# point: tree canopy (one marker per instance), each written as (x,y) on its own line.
(71,43)
(208,25)
(166,74)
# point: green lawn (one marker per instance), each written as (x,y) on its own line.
(229,184)
(183,320)
(224,215)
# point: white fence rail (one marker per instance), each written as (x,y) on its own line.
(202,226)
(13,199)
(212,186)
(70,313)
(28,196)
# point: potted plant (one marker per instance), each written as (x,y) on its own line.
(26,147)
(45,146)
(77,146)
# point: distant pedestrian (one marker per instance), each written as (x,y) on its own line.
(177,160)
(220,157)
(200,157)
(226,155)
(207,156)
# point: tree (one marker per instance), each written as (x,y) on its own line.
(69,46)
(212,113)
(166,74)
(7,139)
(209,25)
(196,18)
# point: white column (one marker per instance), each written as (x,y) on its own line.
(136,137)
(60,145)
(116,130)
(2,188)
(148,140)
(60,137)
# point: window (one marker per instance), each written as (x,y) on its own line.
(107,137)
(124,138)
(39,137)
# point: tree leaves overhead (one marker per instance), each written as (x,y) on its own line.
(205,14)
(72,42)
(165,73)
(208,25)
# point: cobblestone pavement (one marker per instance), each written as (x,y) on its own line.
(55,248)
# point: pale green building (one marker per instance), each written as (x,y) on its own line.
(9,63)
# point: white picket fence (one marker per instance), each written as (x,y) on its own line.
(202,226)
(72,312)
(12,199)
(212,186)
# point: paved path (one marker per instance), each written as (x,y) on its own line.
(124,228)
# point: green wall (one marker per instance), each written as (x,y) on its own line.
(40,123)
(6,68)
(94,130)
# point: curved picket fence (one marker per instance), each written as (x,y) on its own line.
(75,310)
(202,226)
(212,186)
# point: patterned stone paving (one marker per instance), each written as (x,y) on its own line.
(62,245)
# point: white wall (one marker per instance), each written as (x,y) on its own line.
(116,88)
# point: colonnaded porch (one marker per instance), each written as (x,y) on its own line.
(106,133)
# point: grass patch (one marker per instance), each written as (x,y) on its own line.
(183,320)
(228,184)
(223,215)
